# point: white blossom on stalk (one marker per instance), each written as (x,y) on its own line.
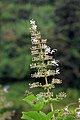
(45,46)
(34,40)
(56,81)
(47,50)
(32,21)
(57,71)
(55,62)
(34,27)
(54,50)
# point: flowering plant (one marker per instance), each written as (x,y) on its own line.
(45,66)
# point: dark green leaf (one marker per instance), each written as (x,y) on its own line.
(34,115)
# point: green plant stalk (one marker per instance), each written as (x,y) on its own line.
(51,105)
(48,92)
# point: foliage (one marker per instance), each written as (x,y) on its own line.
(16,91)
(34,115)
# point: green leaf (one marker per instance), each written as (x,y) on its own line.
(50,115)
(37,104)
(33,115)
(43,114)
(40,104)
(29,99)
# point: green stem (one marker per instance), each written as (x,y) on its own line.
(51,107)
(49,91)
(46,80)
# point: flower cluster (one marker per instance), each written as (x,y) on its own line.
(61,95)
(48,86)
(48,50)
(36,84)
(47,73)
(42,60)
(46,95)
(56,81)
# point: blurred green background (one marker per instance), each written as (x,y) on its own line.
(59,22)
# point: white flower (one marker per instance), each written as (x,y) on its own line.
(54,50)
(47,50)
(34,40)
(57,71)
(45,46)
(32,22)
(55,62)
(56,81)
(34,27)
